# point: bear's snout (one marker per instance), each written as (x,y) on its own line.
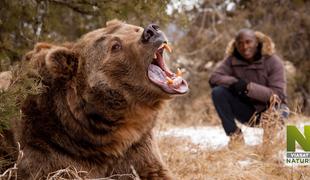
(152,34)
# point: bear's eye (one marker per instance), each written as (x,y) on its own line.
(116,47)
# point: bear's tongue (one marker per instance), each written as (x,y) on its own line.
(160,75)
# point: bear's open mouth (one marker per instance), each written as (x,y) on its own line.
(160,74)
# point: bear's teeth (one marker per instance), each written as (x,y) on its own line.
(167,47)
(177,82)
(179,72)
(155,56)
(169,80)
(161,46)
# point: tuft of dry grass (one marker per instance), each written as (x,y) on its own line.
(11,173)
(72,173)
(64,174)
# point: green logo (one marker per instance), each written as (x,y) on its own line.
(294,135)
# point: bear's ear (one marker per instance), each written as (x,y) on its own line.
(62,63)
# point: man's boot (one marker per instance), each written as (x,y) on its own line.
(236,140)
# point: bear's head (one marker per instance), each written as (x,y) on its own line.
(120,56)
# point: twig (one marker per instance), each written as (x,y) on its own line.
(202,22)
(12,172)
(135,173)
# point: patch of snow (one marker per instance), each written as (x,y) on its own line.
(213,137)
(252,136)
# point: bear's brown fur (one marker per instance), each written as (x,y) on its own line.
(97,110)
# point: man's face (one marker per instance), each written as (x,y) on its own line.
(246,45)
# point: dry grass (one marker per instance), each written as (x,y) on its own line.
(11,173)
(73,173)
(67,174)
(265,161)
(194,163)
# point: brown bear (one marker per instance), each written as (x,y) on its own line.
(99,104)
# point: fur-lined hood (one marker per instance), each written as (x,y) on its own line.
(268,47)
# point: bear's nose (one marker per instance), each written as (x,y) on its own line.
(150,33)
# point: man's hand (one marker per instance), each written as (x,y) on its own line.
(239,87)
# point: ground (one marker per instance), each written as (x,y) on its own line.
(200,153)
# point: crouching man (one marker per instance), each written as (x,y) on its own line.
(245,80)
